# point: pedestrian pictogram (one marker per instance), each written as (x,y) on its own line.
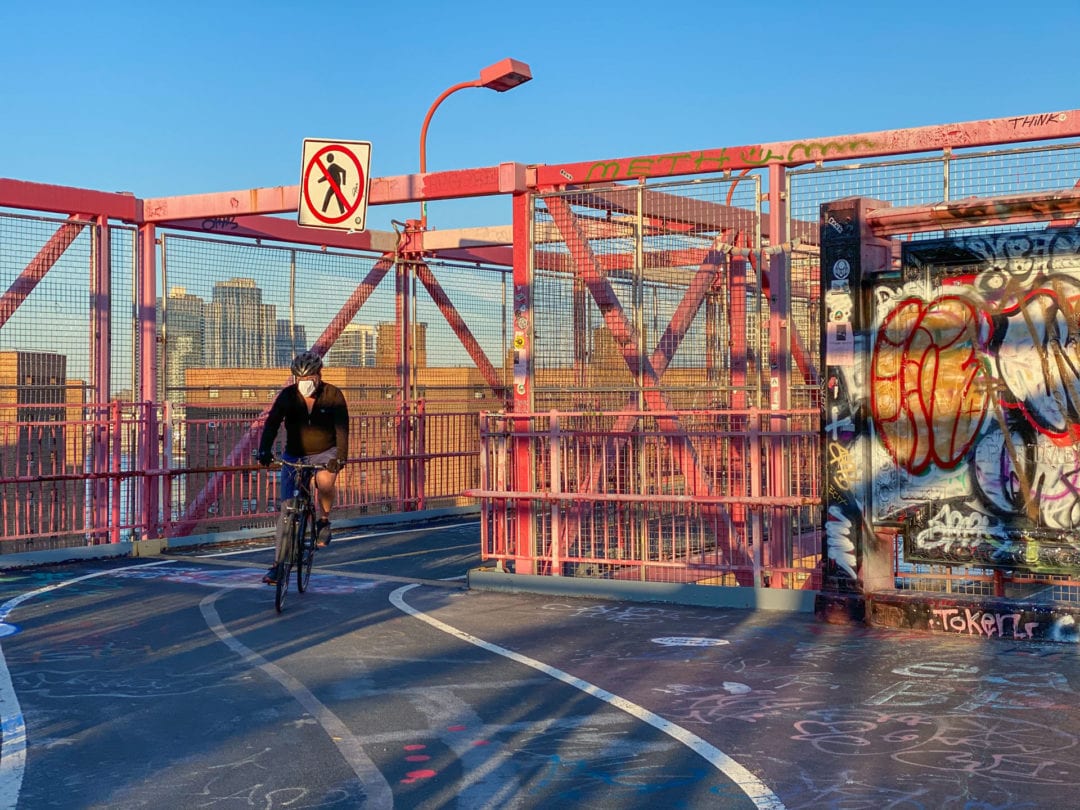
(334,182)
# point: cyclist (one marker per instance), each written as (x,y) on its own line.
(316,419)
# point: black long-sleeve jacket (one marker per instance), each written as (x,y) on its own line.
(307,433)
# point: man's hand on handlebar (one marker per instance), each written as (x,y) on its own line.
(265,458)
(334,465)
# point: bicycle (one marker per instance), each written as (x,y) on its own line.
(296,534)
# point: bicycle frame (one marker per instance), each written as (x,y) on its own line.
(295,546)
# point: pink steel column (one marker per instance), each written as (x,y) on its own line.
(524,526)
(403,338)
(146,325)
(780,364)
(100,289)
(100,320)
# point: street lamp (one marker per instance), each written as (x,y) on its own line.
(501,76)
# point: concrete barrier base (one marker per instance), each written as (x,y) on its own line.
(492,579)
(955,614)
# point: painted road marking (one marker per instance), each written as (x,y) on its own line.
(376,788)
(755,790)
(12,724)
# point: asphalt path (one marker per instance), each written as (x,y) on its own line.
(173,683)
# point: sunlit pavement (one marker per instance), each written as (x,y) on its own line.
(172,682)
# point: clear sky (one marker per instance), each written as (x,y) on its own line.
(164,99)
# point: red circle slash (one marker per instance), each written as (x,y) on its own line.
(316,163)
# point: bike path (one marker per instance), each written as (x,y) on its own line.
(174,683)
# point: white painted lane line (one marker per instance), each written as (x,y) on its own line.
(12,724)
(755,790)
(376,788)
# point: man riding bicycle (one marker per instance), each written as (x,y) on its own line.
(316,421)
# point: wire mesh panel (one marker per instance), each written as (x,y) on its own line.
(123,382)
(462,323)
(231,305)
(46,267)
(646,288)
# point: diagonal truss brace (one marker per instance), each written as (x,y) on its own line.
(36,269)
(588,268)
(457,323)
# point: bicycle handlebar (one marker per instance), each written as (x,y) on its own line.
(299,465)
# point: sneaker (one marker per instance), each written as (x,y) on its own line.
(322,531)
(271,576)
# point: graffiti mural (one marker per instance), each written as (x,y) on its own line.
(846,447)
(973,384)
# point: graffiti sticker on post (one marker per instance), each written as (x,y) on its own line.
(334,182)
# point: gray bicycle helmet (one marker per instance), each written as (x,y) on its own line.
(305,364)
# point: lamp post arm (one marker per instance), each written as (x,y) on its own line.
(431,112)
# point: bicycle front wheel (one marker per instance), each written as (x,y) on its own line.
(281,589)
(305,550)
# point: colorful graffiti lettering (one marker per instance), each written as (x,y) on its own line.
(929,388)
(717,159)
(971,396)
(984,623)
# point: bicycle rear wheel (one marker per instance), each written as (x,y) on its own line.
(305,549)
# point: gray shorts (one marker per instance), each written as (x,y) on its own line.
(319,458)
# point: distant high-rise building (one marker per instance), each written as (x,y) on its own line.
(241,331)
(291,339)
(184,319)
(355,347)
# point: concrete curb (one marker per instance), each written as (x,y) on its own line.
(713,596)
(156,546)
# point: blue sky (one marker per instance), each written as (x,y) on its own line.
(182,98)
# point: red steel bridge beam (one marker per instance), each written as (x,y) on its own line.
(1016,129)
(505,178)
(64,200)
(976,212)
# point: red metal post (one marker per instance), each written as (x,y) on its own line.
(403,344)
(100,289)
(116,427)
(420,454)
(779,551)
(554,439)
(146,325)
(523,546)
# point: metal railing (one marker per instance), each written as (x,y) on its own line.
(75,474)
(615,502)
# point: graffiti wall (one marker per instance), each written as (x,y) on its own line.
(965,375)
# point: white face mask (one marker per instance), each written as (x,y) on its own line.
(307,387)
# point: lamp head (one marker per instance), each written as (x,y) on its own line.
(505,75)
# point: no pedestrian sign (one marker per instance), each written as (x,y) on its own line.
(334,182)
